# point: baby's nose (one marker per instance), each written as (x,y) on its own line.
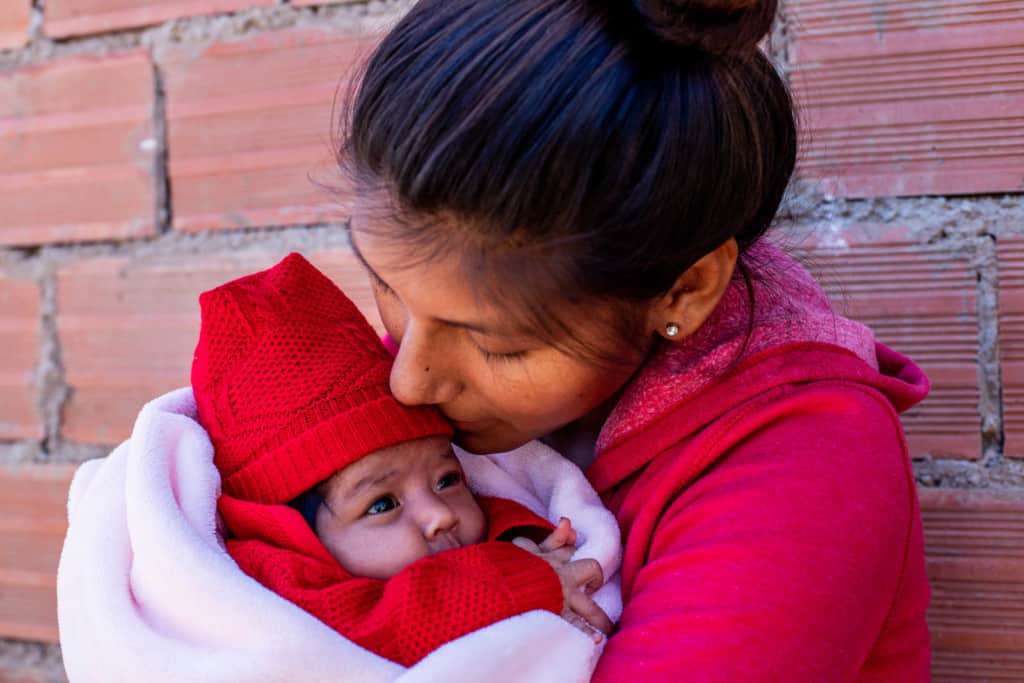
(438,518)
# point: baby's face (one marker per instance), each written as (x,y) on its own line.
(398,505)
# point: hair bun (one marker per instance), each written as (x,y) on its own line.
(715,26)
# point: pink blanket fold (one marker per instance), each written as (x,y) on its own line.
(146,591)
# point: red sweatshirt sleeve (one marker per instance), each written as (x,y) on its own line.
(428,604)
(782,562)
(507,519)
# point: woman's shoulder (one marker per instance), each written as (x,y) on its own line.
(812,404)
(823,463)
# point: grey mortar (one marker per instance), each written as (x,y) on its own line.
(24,660)
(53,390)
(163,206)
(199,31)
(990,386)
(966,475)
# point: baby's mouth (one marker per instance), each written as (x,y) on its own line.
(442,542)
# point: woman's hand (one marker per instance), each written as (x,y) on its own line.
(579,579)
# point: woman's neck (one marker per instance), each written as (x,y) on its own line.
(577,440)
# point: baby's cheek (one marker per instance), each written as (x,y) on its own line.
(476,525)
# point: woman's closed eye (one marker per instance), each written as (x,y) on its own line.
(382,505)
(380,284)
(502,357)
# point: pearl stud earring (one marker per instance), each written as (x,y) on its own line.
(672,330)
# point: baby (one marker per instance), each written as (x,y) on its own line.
(345,502)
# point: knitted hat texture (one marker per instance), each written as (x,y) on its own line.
(292,383)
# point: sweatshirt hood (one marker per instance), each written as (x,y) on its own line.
(781,330)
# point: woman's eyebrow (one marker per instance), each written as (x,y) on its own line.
(359,257)
(481,329)
(371,480)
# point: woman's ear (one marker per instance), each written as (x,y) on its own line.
(683,309)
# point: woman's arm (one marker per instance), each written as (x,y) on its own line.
(782,562)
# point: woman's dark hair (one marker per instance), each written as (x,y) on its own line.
(593,149)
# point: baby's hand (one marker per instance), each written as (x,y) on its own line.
(579,579)
(562,536)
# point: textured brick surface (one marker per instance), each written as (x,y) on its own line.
(14,18)
(78,151)
(128,328)
(250,124)
(911,96)
(921,301)
(975,546)
(1011,342)
(76,17)
(32,528)
(19,339)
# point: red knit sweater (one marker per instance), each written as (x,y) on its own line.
(426,605)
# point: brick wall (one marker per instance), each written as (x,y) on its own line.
(149,150)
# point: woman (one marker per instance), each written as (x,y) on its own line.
(561,208)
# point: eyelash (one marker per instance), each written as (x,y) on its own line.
(390,499)
(380,283)
(492,357)
(456,475)
(395,504)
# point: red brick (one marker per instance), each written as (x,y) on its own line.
(922,301)
(1011,342)
(907,98)
(19,339)
(32,528)
(79,151)
(974,540)
(14,22)
(78,17)
(128,328)
(249,123)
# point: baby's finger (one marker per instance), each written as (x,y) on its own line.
(581,624)
(561,536)
(561,555)
(586,574)
(584,606)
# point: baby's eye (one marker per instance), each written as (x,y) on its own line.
(448,480)
(382,505)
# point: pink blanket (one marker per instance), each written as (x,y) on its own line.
(146,591)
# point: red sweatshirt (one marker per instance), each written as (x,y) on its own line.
(771,524)
(429,603)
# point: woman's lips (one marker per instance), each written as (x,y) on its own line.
(469,425)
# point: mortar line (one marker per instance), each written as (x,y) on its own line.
(360,18)
(164,209)
(990,383)
(50,380)
(36,24)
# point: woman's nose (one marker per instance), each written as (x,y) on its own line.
(422,374)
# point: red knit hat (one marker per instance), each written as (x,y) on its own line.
(292,383)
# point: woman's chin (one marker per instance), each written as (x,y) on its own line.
(488,442)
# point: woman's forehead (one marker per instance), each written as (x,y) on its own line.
(436,287)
